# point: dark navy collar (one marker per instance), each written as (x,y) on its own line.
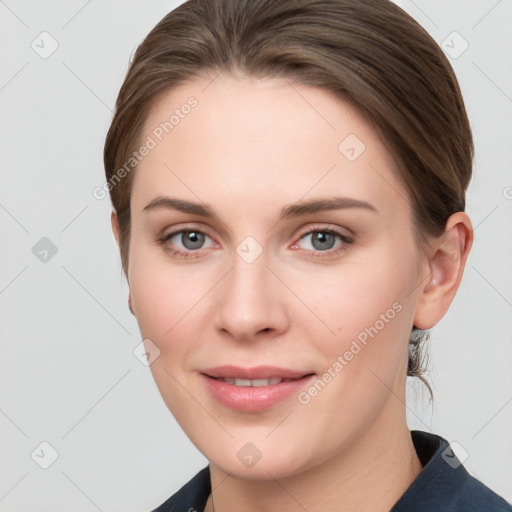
(443,485)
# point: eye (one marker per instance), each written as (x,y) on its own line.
(324,240)
(319,241)
(186,241)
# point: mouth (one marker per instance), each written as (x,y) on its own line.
(256,383)
(254,389)
(255,376)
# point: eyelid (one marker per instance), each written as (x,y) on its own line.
(304,231)
(188,227)
(336,230)
(331,254)
(326,227)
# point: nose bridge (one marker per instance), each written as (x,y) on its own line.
(249,299)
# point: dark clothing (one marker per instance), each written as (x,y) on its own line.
(443,485)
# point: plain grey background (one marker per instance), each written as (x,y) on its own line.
(68,375)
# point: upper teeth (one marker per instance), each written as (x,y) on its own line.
(253,382)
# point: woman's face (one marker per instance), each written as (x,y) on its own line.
(290,254)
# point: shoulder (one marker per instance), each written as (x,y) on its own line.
(444,484)
(477,496)
(191,497)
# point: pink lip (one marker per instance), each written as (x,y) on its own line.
(251,398)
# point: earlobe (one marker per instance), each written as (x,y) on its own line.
(115,225)
(446,267)
(130,306)
(115,229)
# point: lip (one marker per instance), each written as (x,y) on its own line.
(250,398)
(256,372)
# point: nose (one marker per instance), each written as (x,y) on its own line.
(251,301)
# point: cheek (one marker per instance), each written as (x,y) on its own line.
(167,303)
(367,305)
(160,293)
(353,296)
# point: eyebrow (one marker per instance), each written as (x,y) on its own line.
(292,210)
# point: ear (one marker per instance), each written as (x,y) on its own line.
(445,269)
(115,225)
(130,305)
(115,229)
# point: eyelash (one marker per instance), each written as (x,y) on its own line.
(313,253)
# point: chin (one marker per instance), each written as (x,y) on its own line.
(259,460)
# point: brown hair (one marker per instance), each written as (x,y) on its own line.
(369,53)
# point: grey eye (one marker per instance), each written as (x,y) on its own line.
(192,239)
(321,240)
(188,239)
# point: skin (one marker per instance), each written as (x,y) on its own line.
(247,150)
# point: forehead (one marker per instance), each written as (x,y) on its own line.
(258,136)
(248,107)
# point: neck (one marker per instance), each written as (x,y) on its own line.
(382,460)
